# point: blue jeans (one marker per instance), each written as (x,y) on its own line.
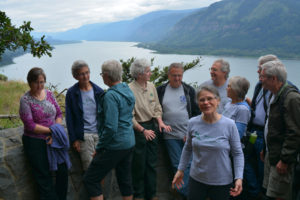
(254,167)
(174,148)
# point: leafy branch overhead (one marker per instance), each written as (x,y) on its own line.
(12,38)
(159,75)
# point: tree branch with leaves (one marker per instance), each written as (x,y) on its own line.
(12,38)
(159,75)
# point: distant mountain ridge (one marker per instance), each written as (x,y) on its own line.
(146,28)
(237,27)
(228,27)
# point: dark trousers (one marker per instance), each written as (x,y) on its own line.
(201,191)
(254,167)
(103,162)
(144,164)
(36,152)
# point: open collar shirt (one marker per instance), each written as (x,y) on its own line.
(147,105)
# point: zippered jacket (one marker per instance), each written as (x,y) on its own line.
(74,111)
(189,92)
(283,137)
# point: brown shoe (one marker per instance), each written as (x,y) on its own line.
(154,198)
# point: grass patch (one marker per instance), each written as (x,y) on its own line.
(10,94)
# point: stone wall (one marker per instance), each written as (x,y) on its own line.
(16,181)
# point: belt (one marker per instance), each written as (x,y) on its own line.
(147,122)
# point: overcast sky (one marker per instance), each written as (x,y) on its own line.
(61,15)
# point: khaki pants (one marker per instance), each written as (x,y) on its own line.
(277,185)
(87,149)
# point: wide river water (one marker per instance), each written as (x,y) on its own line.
(58,67)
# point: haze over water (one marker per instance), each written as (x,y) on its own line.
(58,67)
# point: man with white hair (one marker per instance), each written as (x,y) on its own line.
(283,131)
(254,167)
(219,73)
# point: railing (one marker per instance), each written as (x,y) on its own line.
(10,117)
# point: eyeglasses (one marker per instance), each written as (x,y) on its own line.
(213,69)
(208,99)
(259,68)
(264,76)
(84,73)
(176,75)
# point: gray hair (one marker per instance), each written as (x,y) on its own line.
(240,86)
(175,65)
(225,67)
(208,88)
(138,67)
(77,65)
(266,58)
(113,69)
(275,68)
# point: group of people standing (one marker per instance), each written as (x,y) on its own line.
(204,131)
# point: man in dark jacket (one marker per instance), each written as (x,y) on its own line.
(178,104)
(254,167)
(283,131)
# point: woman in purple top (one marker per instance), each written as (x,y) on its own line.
(38,111)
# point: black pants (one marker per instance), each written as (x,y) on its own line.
(36,152)
(103,162)
(144,164)
(201,191)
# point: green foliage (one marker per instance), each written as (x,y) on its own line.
(237,27)
(159,75)
(13,38)
(3,77)
(126,77)
(11,92)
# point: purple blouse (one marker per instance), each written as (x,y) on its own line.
(33,111)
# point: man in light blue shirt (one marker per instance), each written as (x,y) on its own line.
(219,73)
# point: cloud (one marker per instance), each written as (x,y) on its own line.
(58,15)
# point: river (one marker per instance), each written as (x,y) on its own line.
(58,67)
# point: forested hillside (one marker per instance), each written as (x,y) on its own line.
(237,27)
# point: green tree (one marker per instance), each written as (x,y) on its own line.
(159,75)
(12,38)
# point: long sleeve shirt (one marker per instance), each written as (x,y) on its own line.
(33,112)
(211,146)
